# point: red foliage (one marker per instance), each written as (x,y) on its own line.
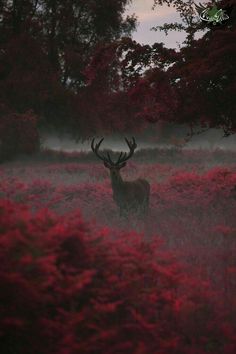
(66,289)
(154,98)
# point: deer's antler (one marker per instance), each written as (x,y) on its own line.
(122,157)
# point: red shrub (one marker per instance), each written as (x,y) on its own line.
(68,290)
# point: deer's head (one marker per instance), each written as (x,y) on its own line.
(114,167)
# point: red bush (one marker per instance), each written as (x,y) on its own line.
(68,290)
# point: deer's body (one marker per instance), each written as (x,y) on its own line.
(128,195)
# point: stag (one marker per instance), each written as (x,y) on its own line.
(130,196)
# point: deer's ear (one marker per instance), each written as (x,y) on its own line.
(106,164)
(123,164)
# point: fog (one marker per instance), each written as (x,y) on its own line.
(152,137)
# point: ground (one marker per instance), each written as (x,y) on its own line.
(192,203)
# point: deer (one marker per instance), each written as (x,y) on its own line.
(129,196)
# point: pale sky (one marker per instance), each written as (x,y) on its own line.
(148,18)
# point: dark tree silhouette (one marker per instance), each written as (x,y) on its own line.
(45,47)
(204,74)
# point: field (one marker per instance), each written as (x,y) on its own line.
(161,284)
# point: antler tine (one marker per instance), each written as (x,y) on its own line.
(127,141)
(97,145)
(132,146)
(92,144)
(118,161)
(96,148)
(109,159)
(134,142)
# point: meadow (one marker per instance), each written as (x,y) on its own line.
(163,284)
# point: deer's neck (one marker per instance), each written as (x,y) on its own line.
(116,181)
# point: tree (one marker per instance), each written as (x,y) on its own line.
(205,81)
(120,83)
(73,29)
(204,78)
(201,78)
(45,47)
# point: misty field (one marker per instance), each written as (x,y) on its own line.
(167,281)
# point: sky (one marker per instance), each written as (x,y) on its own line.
(148,18)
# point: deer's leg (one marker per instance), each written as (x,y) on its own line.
(144,208)
(147,206)
(124,211)
(147,203)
